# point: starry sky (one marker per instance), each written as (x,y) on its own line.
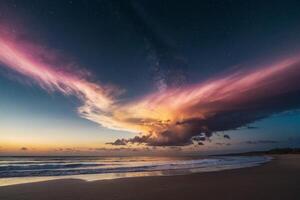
(148,77)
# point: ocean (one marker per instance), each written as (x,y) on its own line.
(17,170)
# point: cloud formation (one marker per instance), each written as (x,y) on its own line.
(172,117)
(224,103)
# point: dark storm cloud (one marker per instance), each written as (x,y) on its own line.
(148,139)
(118,142)
(226,136)
(198,138)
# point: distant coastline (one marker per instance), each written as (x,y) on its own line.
(274,151)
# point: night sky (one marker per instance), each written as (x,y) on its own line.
(148,77)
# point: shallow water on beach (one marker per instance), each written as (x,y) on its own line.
(17,170)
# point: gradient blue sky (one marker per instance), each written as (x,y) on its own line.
(119,43)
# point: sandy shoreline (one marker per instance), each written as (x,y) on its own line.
(279,179)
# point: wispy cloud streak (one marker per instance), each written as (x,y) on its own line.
(49,70)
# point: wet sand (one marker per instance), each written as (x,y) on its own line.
(279,179)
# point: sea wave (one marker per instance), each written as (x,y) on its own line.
(82,166)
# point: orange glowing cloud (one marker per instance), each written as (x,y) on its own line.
(175,116)
(171,117)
